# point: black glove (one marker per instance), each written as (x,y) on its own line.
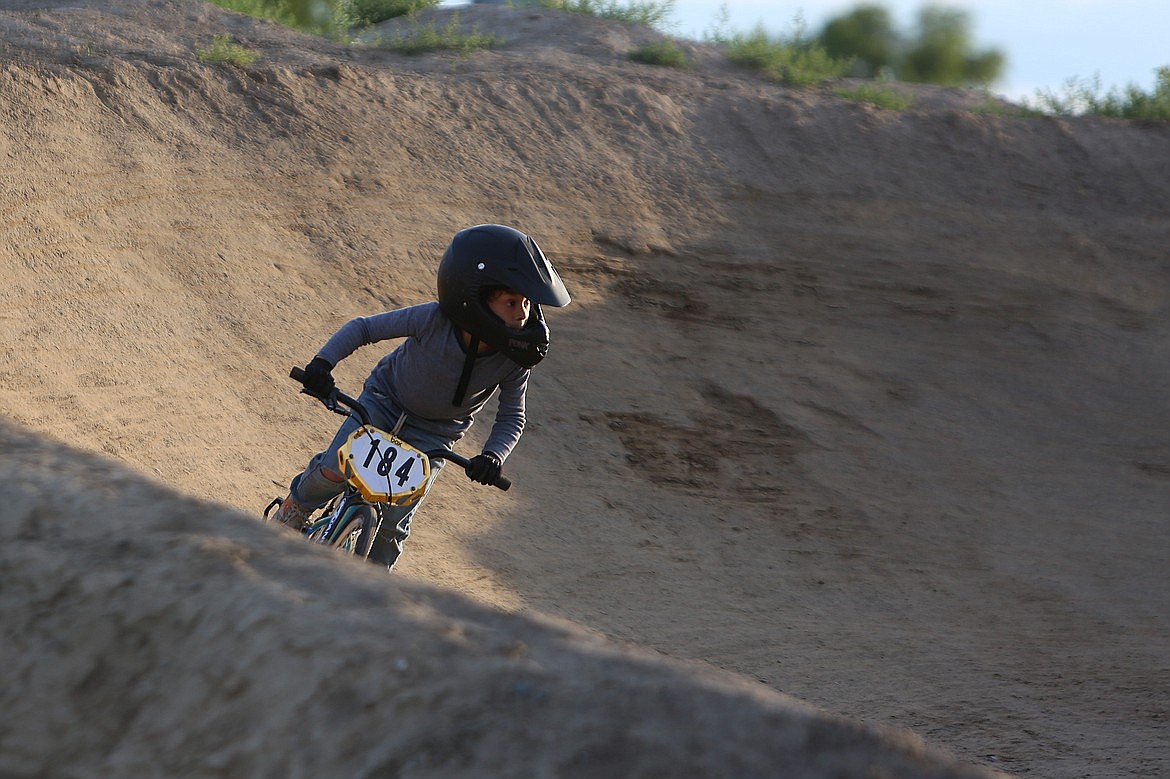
(318,377)
(484,468)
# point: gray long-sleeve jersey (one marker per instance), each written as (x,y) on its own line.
(421,375)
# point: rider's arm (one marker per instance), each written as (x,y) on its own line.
(364,330)
(509,423)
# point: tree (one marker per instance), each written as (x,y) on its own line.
(942,52)
(865,35)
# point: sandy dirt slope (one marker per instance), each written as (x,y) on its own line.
(866,407)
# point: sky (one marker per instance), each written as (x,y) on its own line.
(1046,42)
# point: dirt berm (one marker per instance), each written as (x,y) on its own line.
(851,456)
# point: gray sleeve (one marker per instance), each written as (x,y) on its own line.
(364,330)
(510,418)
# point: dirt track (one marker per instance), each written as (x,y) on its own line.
(866,407)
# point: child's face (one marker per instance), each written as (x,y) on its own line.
(512,307)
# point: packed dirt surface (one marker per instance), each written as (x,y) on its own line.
(851,456)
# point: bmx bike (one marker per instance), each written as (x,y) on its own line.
(380,470)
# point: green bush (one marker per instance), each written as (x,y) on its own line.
(1081,96)
(333,18)
(424,38)
(647,12)
(992,106)
(794,59)
(665,53)
(365,12)
(223,50)
(877,95)
(262,9)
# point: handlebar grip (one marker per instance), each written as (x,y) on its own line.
(297,374)
(502,482)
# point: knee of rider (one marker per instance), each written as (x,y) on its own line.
(314,487)
(332,475)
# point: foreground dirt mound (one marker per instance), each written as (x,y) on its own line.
(150,635)
(867,407)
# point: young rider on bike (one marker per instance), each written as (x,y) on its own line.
(486,332)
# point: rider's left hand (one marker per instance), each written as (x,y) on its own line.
(484,468)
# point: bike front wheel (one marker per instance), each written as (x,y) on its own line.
(354,532)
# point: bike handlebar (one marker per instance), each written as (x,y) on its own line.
(336,397)
(502,481)
(333,399)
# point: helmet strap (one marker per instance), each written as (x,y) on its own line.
(468,364)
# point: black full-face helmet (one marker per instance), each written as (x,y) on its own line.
(490,256)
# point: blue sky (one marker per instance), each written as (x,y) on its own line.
(1046,41)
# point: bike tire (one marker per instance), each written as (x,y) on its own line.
(355,532)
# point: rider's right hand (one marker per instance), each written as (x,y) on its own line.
(319,377)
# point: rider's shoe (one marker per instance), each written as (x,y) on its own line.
(291,513)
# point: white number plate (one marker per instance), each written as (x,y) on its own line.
(385,469)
